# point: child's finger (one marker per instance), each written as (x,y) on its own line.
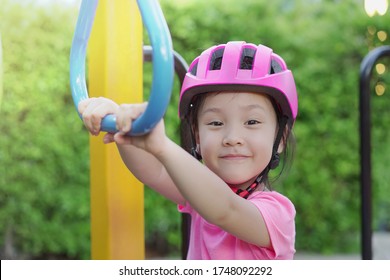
(126,114)
(83,104)
(94,110)
(92,116)
(97,114)
(122,139)
(108,138)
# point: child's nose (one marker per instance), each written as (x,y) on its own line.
(233,137)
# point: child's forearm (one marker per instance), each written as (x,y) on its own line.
(149,170)
(206,192)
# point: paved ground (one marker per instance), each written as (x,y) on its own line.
(380,250)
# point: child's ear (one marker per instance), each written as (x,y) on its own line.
(196,150)
(197,142)
(281,147)
(283,141)
(196,135)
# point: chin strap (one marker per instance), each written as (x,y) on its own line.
(245,193)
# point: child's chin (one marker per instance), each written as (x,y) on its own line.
(238,183)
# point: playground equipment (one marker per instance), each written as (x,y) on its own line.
(115,59)
(366,67)
(162,64)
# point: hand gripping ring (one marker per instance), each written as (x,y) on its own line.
(163,64)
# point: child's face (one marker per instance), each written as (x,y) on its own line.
(236,132)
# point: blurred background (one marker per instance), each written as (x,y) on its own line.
(44,152)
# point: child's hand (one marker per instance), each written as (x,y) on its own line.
(93,110)
(125,115)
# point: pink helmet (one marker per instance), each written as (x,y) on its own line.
(225,68)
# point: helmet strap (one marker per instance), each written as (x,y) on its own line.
(275,159)
(245,193)
(194,151)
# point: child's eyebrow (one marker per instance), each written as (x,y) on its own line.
(211,110)
(245,107)
(253,107)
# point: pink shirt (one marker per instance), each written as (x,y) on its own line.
(209,242)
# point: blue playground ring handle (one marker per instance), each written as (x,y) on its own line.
(163,64)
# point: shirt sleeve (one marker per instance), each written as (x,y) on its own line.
(186,208)
(279,216)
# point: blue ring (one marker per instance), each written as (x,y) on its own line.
(163,64)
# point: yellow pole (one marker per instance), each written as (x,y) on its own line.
(115,71)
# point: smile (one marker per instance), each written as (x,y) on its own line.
(234,157)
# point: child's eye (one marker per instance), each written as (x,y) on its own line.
(215,123)
(252,122)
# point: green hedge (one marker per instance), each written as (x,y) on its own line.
(44,163)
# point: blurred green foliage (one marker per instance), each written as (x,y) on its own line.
(44,155)
(44,166)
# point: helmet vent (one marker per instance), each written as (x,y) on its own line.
(194,69)
(275,67)
(216,59)
(247,57)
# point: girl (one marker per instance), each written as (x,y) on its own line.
(239,103)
